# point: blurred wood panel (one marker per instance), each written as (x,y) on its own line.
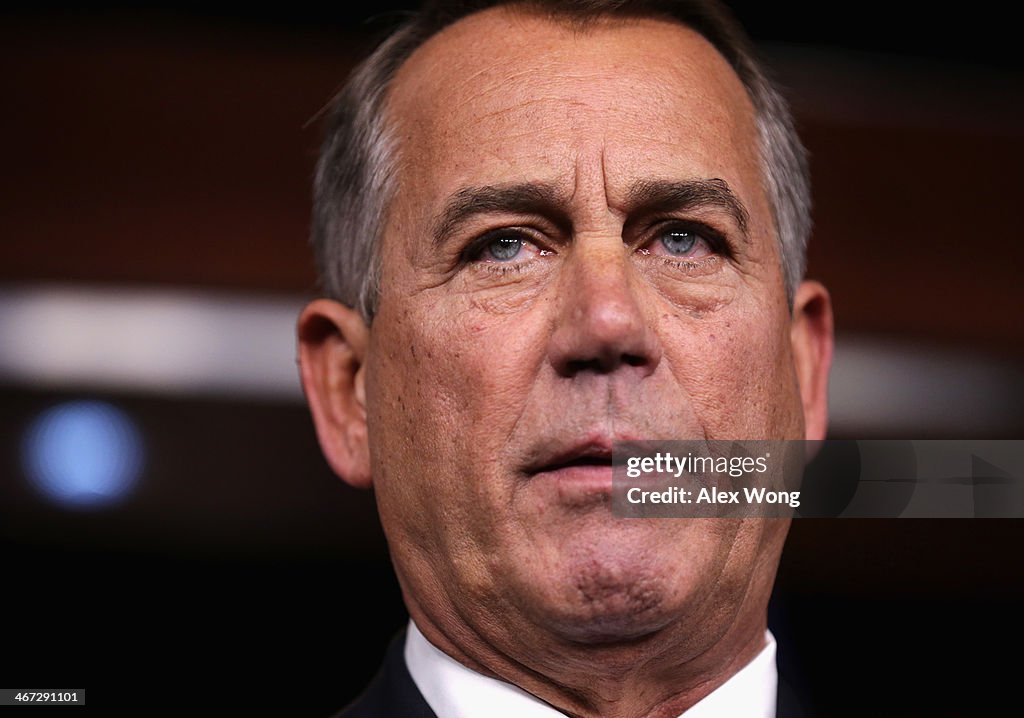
(173,159)
(138,156)
(917,232)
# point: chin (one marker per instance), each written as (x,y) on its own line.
(599,581)
(602,601)
(608,628)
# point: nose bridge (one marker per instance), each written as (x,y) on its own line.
(601,324)
(600,286)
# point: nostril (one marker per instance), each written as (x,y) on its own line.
(598,333)
(576,366)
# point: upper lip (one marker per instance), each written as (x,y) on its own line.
(590,451)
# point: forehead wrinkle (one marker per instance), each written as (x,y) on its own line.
(499,113)
(590,197)
(522,22)
(481,86)
(575,87)
(557,68)
(586,95)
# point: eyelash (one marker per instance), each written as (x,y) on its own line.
(473,252)
(501,269)
(716,241)
(692,266)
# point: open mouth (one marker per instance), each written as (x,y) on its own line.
(576,474)
(580,460)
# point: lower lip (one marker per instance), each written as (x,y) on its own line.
(579,482)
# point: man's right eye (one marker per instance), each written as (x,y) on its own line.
(504,246)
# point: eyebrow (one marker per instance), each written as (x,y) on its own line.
(521,198)
(644,196)
(652,196)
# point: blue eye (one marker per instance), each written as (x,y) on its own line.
(678,242)
(503,249)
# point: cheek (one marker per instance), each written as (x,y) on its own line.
(445,387)
(736,368)
(485,365)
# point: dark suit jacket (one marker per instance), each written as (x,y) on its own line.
(392,693)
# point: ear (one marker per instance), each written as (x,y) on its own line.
(811,338)
(333,341)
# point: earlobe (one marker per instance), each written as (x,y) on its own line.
(812,341)
(333,340)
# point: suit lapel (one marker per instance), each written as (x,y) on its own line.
(392,693)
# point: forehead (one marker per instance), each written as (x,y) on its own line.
(506,95)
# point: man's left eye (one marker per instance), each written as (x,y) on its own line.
(680,242)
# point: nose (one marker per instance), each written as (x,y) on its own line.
(600,325)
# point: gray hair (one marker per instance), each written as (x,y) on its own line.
(354,180)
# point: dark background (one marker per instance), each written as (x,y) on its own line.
(172,148)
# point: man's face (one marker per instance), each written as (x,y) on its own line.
(580,250)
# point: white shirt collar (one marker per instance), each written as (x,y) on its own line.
(454,691)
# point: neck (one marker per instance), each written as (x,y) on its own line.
(656,676)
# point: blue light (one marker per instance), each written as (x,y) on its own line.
(83,454)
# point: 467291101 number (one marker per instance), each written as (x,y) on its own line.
(14,697)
